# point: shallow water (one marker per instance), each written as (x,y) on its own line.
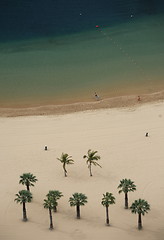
(112,60)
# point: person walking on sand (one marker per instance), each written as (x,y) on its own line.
(139,98)
(97,97)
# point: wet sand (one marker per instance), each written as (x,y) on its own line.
(115,102)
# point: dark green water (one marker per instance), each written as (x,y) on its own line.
(121,59)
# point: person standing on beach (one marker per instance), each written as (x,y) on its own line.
(97,97)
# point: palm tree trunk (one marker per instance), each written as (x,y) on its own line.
(90,170)
(51,223)
(78,211)
(139,221)
(24,212)
(55,208)
(65,171)
(126,200)
(107,216)
(28,188)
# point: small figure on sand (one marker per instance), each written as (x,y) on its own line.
(45,148)
(146,134)
(97,96)
(139,98)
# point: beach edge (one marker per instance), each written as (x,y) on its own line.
(114,102)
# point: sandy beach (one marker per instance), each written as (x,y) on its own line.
(119,137)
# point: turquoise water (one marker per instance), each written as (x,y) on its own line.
(112,60)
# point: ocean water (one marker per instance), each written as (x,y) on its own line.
(57,52)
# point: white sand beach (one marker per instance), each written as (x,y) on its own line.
(119,137)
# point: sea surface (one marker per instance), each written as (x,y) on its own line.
(57,51)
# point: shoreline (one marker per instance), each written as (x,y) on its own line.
(115,102)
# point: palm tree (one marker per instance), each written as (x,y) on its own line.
(91,159)
(78,199)
(126,186)
(56,195)
(28,179)
(107,199)
(49,204)
(65,159)
(141,207)
(23,197)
